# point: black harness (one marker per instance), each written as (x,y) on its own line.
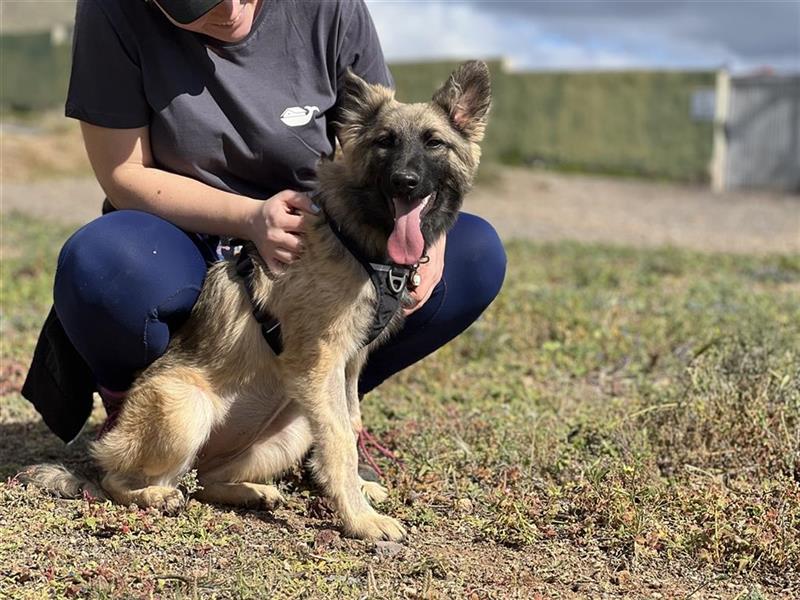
(389,281)
(270,326)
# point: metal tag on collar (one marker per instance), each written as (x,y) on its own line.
(397,281)
(415,279)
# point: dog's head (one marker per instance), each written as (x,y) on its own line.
(405,168)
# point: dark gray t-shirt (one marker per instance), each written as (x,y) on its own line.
(249,117)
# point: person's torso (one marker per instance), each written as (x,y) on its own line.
(249,117)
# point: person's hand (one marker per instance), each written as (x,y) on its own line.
(278,226)
(430,274)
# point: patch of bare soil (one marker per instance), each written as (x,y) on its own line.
(547,207)
(73,201)
(12,376)
(544,206)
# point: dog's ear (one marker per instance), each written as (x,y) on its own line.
(466,98)
(359,105)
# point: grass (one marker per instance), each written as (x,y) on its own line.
(620,423)
(40,146)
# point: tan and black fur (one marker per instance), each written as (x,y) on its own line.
(221,402)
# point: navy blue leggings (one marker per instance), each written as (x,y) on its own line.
(128,279)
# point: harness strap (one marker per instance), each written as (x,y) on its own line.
(270,326)
(389,281)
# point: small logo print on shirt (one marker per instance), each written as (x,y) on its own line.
(294,116)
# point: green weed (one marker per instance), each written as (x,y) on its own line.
(620,421)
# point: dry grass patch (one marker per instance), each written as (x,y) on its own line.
(42,146)
(619,424)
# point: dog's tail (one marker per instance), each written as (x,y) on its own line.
(60,481)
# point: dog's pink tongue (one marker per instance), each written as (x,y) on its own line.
(406,244)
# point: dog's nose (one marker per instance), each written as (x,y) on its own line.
(404,182)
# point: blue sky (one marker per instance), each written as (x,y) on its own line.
(744,35)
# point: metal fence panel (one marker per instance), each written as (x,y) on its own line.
(763,131)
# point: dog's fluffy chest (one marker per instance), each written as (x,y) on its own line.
(325,295)
(321,301)
(255,412)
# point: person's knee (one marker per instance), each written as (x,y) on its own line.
(484,261)
(79,263)
(125,264)
(95,253)
(122,283)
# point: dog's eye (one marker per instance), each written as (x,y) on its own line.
(434,143)
(386,141)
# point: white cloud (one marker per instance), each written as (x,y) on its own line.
(412,30)
(542,35)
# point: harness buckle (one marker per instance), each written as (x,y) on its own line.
(397,282)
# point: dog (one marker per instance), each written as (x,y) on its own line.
(223,399)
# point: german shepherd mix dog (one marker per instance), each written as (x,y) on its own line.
(221,401)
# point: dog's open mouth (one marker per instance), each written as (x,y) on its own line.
(406,244)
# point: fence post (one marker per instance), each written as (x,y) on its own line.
(721,111)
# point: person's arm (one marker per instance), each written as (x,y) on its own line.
(124,167)
(106,93)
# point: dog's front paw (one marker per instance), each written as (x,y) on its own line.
(374,491)
(166,499)
(269,497)
(375,526)
(244,494)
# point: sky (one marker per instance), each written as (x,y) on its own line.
(743,35)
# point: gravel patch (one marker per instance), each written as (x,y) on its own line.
(547,207)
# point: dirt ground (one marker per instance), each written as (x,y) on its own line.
(542,540)
(549,206)
(546,207)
